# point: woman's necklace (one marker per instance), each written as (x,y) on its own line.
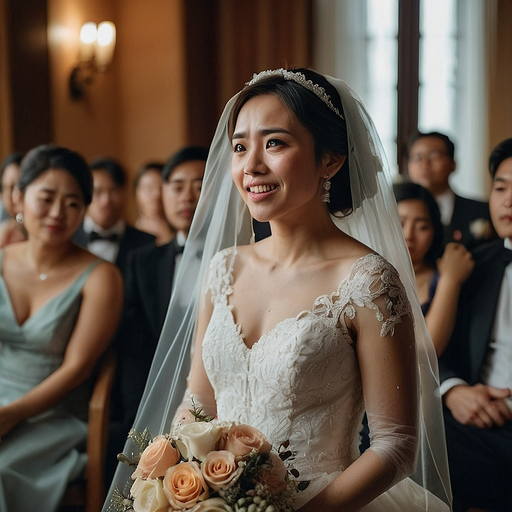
(43,275)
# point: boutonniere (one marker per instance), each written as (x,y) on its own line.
(480,228)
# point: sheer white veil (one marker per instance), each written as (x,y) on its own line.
(222,220)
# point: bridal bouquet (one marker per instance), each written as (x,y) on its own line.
(207,466)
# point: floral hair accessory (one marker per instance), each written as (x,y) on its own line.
(301,79)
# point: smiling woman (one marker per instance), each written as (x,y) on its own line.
(288,334)
(59,307)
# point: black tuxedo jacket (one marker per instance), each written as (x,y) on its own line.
(466,211)
(149,279)
(132,239)
(148,285)
(467,351)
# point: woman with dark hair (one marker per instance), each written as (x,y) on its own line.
(299,333)
(148,198)
(439,275)
(10,230)
(59,308)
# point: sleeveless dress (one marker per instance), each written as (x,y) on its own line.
(300,382)
(41,455)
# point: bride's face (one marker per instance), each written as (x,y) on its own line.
(273,163)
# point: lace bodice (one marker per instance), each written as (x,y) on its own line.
(300,382)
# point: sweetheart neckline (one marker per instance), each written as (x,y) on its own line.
(325,296)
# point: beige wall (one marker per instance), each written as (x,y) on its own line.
(135,110)
(500,77)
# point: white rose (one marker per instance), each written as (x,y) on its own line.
(149,496)
(212,505)
(196,440)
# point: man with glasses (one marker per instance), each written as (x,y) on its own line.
(431,162)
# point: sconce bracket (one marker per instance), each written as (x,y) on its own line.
(80,78)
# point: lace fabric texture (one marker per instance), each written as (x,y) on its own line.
(300,382)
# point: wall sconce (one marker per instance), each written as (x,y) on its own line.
(96,50)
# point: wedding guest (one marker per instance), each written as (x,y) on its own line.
(148,198)
(476,367)
(105,232)
(10,230)
(439,272)
(431,163)
(59,308)
(300,332)
(149,283)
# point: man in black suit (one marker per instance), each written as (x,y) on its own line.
(476,368)
(104,231)
(149,281)
(431,162)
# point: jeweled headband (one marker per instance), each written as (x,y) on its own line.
(301,79)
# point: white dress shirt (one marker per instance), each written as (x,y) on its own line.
(446,203)
(105,249)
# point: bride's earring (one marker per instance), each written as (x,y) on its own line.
(19,218)
(326,198)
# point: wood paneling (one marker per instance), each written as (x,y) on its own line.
(29,75)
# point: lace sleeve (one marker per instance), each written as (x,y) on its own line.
(385,345)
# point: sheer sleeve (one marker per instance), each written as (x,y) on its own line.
(385,346)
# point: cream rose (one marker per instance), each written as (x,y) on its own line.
(184,417)
(274,475)
(149,496)
(220,469)
(156,459)
(184,485)
(197,440)
(212,505)
(242,439)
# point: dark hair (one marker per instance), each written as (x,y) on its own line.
(450,146)
(112,166)
(41,158)
(408,190)
(501,152)
(150,166)
(186,154)
(329,130)
(13,158)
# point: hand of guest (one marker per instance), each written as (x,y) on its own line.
(479,405)
(456,263)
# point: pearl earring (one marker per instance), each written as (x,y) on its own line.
(19,218)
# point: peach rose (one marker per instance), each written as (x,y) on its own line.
(184,485)
(220,469)
(197,440)
(274,475)
(149,496)
(242,439)
(156,459)
(212,505)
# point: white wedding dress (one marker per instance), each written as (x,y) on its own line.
(300,382)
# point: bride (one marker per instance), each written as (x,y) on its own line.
(301,333)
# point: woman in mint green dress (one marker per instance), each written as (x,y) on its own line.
(59,308)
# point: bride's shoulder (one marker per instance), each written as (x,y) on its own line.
(359,263)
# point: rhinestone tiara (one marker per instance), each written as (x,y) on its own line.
(301,79)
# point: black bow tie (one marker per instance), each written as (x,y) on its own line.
(112,237)
(178,249)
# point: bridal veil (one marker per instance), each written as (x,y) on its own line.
(222,220)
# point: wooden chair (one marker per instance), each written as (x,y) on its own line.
(88,493)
